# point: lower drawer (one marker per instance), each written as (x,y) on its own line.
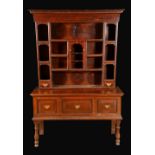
(106,106)
(77,106)
(47,106)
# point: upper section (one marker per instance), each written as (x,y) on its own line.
(76,15)
(76,49)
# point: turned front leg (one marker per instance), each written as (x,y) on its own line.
(113,126)
(41,128)
(118,122)
(36,134)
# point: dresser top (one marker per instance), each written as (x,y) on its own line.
(78,91)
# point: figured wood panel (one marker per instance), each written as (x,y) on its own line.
(106,106)
(76,105)
(47,106)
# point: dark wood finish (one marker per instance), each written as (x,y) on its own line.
(76,55)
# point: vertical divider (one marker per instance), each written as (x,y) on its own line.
(84,55)
(50,50)
(103,52)
(85,61)
(37,48)
(115,52)
(69,44)
(67,55)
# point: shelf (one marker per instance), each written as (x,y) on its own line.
(42,42)
(77,70)
(109,62)
(59,40)
(76,61)
(77,53)
(44,62)
(94,55)
(59,55)
(94,40)
(94,70)
(59,69)
(77,86)
(110,42)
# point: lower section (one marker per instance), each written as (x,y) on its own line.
(76,104)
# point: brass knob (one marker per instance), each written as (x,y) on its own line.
(108,84)
(47,107)
(77,106)
(107,106)
(44,84)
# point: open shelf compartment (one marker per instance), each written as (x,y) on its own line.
(43,32)
(94,47)
(58,48)
(75,78)
(76,30)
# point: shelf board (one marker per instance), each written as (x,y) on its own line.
(86,40)
(59,40)
(42,42)
(94,69)
(94,40)
(94,55)
(109,62)
(77,86)
(77,61)
(110,42)
(58,55)
(78,70)
(59,69)
(77,53)
(44,62)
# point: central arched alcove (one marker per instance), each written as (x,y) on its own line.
(77,56)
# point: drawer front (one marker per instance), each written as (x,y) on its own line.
(76,106)
(106,106)
(47,106)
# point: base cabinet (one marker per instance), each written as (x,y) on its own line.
(101,105)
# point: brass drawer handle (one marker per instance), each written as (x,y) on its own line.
(47,107)
(77,106)
(107,106)
(44,84)
(108,84)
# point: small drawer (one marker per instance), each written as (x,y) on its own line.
(76,106)
(109,84)
(47,106)
(106,106)
(44,83)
